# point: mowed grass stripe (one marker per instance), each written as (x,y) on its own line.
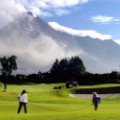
(45,103)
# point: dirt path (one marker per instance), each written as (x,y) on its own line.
(89,96)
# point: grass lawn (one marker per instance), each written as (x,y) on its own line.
(46,103)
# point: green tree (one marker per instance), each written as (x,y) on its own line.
(63,69)
(54,66)
(8,64)
(67,69)
(76,66)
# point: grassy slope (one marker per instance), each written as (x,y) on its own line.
(45,103)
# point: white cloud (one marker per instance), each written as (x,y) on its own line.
(9,9)
(52,7)
(60,12)
(34,55)
(117,41)
(104,19)
(64,3)
(90,33)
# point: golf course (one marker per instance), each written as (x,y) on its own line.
(47,103)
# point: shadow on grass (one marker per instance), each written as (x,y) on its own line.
(107,90)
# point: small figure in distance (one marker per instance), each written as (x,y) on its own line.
(23,100)
(68,84)
(95,100)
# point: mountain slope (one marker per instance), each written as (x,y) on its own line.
(37,45)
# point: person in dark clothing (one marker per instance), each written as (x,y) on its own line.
(23,100)
(95,100)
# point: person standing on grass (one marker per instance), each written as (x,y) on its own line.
(95,100)
(23,100)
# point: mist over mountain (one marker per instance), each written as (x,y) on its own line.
(36,45)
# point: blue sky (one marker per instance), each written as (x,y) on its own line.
(101,17)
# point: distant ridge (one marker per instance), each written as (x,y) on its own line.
(37,45)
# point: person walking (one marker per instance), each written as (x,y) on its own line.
(23,100)
(95,100)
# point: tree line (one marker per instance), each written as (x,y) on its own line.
(61,71)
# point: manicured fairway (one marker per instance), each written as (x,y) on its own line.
(46,103)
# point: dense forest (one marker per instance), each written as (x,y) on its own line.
(48,77)
(63,70)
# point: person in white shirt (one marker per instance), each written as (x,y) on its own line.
(23,100)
